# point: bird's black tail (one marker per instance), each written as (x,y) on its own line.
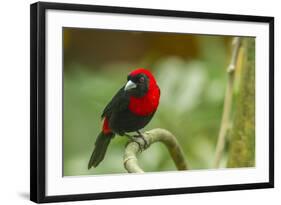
(101,145)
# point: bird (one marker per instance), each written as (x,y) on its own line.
(129,110)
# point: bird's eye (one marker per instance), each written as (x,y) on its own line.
(141,79)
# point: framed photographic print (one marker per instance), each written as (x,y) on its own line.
(129,102)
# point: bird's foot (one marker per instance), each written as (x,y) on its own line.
(140,139)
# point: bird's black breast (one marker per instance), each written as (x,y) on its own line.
(126,121)
(120,118)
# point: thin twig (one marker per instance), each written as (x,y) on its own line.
(156,135)
(236,44)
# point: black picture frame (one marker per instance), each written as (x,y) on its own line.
(38,97)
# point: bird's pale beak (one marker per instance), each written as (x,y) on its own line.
(130,85)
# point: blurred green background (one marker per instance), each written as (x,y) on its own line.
(191,73)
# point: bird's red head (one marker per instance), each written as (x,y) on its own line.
(145,72)
(140,81)
(144,92)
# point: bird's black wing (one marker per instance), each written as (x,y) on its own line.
(120,101)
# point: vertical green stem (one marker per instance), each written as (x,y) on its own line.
(242,142)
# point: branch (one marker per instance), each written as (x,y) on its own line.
(156,135)
(227,101)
